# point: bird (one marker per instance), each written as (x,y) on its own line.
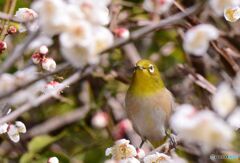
(149,103)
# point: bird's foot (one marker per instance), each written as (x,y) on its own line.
(142,142)
(172,140)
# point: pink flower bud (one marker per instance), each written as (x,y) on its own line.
(52,86)
(3,46)
(122,32)
(125,125)
(37,58)
(49,64)
(43,50)
(12,30)
(140,153)
(122,128)
(100,120)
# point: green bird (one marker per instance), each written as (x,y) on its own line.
(149,103)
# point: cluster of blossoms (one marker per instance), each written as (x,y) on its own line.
(13,129)
(39,57)
(80,27)
(208,128)
(123,152)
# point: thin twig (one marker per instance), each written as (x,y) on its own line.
(198,79)
(59,69)
(18,52)
(5,16)
(59,121)
(26,107)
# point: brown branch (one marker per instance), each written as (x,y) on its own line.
(59,69)
(18,52)
(28,106)
(198,79)
(5,16)
(59,121)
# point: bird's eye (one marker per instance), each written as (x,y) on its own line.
(151,69)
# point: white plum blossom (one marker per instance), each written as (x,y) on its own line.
(100,120)
(158,158)
(232,14)
(218,6)
(95,12)
(196,39)
(103,38)
(53,160)
(157,6)
(3,128)
(121,150)
(49,64)
(14,130)
(224,100)
(53,15)
(201,127)
(234,118)
(26,14)
(21,127)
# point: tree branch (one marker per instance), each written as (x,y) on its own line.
(18,52)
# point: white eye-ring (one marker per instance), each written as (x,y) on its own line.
(151,69)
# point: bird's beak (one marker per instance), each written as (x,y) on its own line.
(138,67)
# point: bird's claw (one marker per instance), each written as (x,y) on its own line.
(172,140)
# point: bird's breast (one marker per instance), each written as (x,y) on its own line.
(150,114)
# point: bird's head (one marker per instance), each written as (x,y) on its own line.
(146,78)
(146,68)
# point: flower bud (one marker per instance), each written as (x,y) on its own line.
(12,30)
(122,32)
(43,50)
(37,58)
(100,120)
(51,86)
(49,64)
(3,46)
(53,160)
(140,153)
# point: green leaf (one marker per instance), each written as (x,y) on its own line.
(40,142)
(27,157)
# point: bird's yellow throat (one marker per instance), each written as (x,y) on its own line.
(146,79)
